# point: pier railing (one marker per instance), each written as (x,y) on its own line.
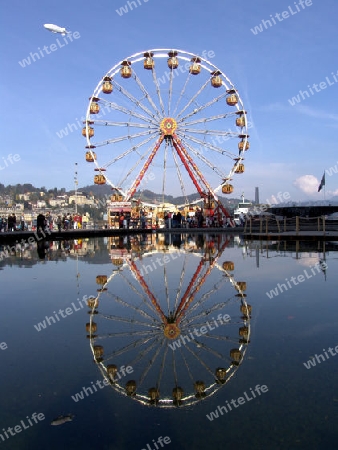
(271,224)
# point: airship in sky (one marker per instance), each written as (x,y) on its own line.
(56,29)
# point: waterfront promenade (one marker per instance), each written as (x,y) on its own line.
(330,234)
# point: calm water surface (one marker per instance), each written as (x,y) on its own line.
(176,327)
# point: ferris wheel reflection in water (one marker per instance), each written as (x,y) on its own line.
(184,326)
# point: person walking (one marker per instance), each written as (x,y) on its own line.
(40,222)
(59,222)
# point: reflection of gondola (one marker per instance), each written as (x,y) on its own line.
(179,319)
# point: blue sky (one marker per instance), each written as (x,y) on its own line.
(290,146)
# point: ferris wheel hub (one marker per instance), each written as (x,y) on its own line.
(171,331)
(168,126)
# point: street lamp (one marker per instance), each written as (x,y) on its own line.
(76,183)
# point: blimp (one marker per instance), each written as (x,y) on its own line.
(56,29)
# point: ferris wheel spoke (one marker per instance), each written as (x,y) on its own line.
(200,360)
(137,163)
(220,150)
(125,124)
(146,94)
(134,100)
(151,362)
(170,90)
(146,289)
(173,354)
(193,98)
(179,289)
(133,345)
(127,349)
(124,333)
(210,132)
(182,92)
(131,306)
(205,160)
(188,319)
(132,149)
(143,353)
(222,338)
(214,308)
(208,119)
(210,350)
(158,92)
(186,365)
(203,107)
(166,287)
(160,374)
(124,319)
(139,294)
(129,112)
(123,138)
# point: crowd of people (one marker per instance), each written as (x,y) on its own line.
(62,222)
(12,223)
(44,221)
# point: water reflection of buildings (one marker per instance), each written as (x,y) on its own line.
(27,255)
(182,324)
(306,252)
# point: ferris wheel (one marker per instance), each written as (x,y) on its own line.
(169,121)
(138,320)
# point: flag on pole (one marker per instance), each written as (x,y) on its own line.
(322,183)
